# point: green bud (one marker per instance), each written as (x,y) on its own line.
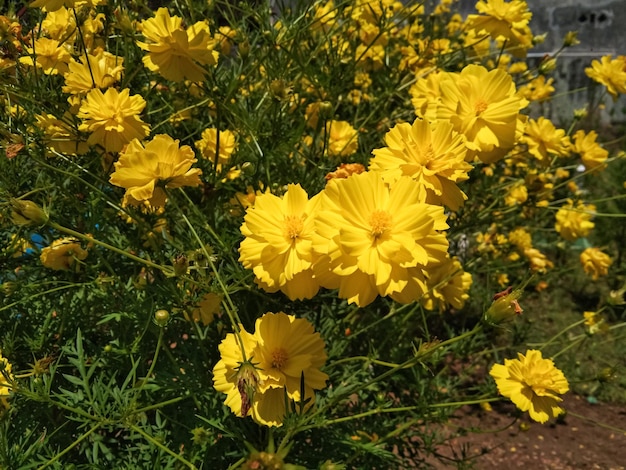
(161,317)
(27,213)
(504,307)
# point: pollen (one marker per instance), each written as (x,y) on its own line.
(279,358)
(293,227)
(480,106)
(380,222)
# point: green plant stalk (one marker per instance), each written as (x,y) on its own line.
(154,360)
(156,443)
(34,296)
(165,269)
(71,446)
(162,404)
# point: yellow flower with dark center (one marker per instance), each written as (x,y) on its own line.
(145,171)
(431,154)
(112,118)
(574,222)
(609,72)
(63,254)
(483,105)
(504,21)
(546,141)
(174,52)
(595,262)
(94,71)
(532,383)
(368,236)
(278,243)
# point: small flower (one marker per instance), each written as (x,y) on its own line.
(112,118)
(214,141)
(574,222)
(590,151)
(595,323)
(145,171)
(532,383)
(609,72)
(342,139)
(546,141)
(595,263)
(26,212)
(94,71)
(49,55)
(63,254)
(174,52)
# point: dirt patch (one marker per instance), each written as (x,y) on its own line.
(590,436)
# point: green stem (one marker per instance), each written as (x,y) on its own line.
(156,443)
(71,446)
(160,405)
(168,271)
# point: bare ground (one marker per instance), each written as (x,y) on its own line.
(591,436)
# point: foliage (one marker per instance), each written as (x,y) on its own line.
(171,175)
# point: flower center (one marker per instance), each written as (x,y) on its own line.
(480,106)
(279,358)
(380,221)
(293,227)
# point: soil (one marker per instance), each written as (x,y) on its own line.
(590,436)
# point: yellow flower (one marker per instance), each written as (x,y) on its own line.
(504,21)
(368,237)
(146,170)
(234,374)
(504,306)
(431,154)
(278,242)
(574,222)
(5,386)
(207,308)
(283,352)
(590,151)
(538,89)
(426,94)
(595,323)
(448,285)
(532,383)
(112,118)
(517,194)
(59,135)
(538,261)
(595,262)
(520,238)
(215,141)
(62,254)
(288,351)
(177,54)
(342,139)
(60,25)
(545,141)
(483,105)
(609,72)
(95,71)
(49,55)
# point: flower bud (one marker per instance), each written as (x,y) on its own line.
(571,39)
(161,317)
(27,213)
(504,306)
(247,383)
